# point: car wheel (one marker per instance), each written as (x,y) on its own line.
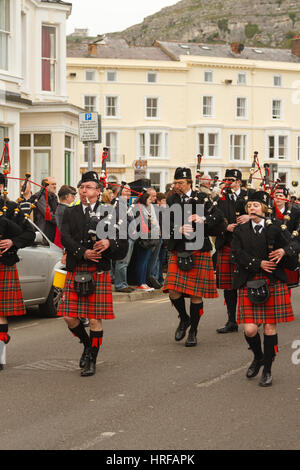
(51,306)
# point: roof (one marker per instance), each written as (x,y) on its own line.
(56,1)
(176,49)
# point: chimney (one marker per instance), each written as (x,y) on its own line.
(296,46)
(93,50)
(237,47)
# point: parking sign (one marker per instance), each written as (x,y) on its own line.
(89,127)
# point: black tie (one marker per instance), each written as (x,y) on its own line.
(257,229)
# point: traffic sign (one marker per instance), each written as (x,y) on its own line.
(89,127)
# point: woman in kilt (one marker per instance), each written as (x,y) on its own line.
(251,246)
(199,282)
(87,256)
(15,233)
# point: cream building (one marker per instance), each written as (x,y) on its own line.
(167,103)
(34,110)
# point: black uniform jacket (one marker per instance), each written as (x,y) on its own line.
(75,239)
(292,247)
(248,250)
(230,210)
(214,223)
(16,228)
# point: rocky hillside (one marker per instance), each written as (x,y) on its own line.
(268,23)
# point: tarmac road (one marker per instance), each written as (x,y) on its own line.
(149,392)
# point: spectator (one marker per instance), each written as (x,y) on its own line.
(162,257)
(153,264)
(107,196)
(66,196)
(121,266)
(47,226)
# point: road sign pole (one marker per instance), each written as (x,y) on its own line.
(90,156)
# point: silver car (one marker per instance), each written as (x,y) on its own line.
(36,271)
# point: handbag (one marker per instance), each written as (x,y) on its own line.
(258,291)
(84,284)
(185,260)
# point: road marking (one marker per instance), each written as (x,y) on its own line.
(55,364)
(25,326)
(93,442)
(221,377)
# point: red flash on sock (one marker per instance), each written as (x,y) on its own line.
(4,337)
(96,342)
(276,349)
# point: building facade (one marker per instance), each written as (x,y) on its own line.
(34,110)
(162,105)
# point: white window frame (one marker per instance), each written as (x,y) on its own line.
(212,115)
(117,158)
(273,116)
(277,134)
(96,109)
(208,71)
(117,116)
(115,75)
(241,83)
(164,144)
(155,74)
(151,118)
(53,61)
(298,148)
(6,33)
(206,132)
(244,148)
(85,75)
(164,176)
(34,149)
(275,77)
(245,116)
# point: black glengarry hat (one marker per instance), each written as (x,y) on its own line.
(233,173)
(182,173)
(283,188)
(90,176)
(259,196)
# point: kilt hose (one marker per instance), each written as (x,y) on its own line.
(98,305)
(200,281)
(224,268)
(11,303)
(277,309)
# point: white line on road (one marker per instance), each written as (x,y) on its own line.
(92,443)
(25,326)
(208,383)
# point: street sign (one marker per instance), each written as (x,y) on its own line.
(89,127)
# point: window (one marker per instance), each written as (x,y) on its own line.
(111,106)
(208,144)
(86,153)
(152,108)
(111,76)
(242,78)
(151,77)
(278,146)
(153,144)
(35,155)
(208,76)
(207,106)
(238,147)
(90,75)
(48,58)
(4,33)
(111,141)
(90,103)
(69,156)
(3,133)
(155,181)
(277,80)
(241,108)
(276,109)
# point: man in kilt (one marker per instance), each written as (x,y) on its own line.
(85,256)
(251,246)
(199,282)
(15,232)
(231,205)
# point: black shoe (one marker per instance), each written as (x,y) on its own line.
(181,330)
(266,379)
(191,339)
(228,328)
(254,368)
(154,283)
(84,357)
(89,368)
(1,366)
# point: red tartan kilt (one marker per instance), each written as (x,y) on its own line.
(224,268)
(11,298)
(98,305)
(199,281)
(277,309)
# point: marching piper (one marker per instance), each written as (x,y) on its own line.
(263,296)
(87,292)
(198,281)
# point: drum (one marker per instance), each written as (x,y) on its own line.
(293,278)
(59,278)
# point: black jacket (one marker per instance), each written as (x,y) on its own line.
(213,225)
(248,251)
(230,210)
(292,246)
(16,228)
(76,240)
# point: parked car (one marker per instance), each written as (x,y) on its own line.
(36,271)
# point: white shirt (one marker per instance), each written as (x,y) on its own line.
(261,224)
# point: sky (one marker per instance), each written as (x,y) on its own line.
(108,16)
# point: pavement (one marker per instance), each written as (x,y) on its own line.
(136,295)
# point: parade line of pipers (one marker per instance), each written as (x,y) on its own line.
(256,239)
